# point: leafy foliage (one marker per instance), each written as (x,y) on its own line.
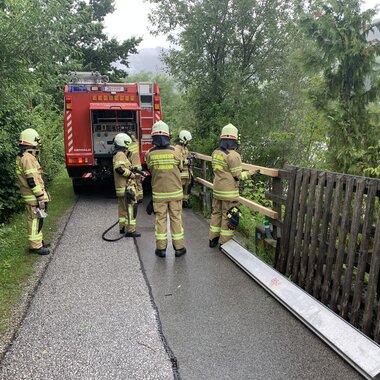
(344,59)
(40,40)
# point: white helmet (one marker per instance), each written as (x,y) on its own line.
(160,129)
(30,137)
(185,137)
(122,140)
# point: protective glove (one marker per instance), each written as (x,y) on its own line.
(233,216)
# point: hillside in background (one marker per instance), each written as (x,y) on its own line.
(147,59)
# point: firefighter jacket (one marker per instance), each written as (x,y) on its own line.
(122,173)
(135,155)
(165,164)
(228,171)
(29,175)
(184,153)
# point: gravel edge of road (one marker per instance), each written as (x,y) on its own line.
(31,287)
(165,343)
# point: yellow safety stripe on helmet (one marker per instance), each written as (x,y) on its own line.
(227,233)
(214,229)
(173,194)
(31,171)
(226,194)
(29,198)
(244,175)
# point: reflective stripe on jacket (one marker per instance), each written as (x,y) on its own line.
(27,166)
(165,165)
(120,160)
(184,153)
(227,173)
(134,156)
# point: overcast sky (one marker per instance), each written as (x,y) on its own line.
(131,19)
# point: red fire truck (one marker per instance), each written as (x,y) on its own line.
(95,112)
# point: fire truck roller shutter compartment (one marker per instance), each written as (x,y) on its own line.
(109,119)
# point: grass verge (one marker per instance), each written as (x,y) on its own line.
(16,263)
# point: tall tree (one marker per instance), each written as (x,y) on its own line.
(86,36)
(232,53)
(342,57)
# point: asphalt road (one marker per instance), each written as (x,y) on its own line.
(220,324)
(93,316)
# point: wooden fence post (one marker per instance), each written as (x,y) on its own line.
(290,175)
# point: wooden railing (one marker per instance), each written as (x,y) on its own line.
(327,228)
(272,214)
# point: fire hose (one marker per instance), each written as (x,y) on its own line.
(129,199)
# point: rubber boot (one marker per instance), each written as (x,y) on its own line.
(40,251)
(160,252)
(46,244)
(180,252)
(214,242)
(132,234)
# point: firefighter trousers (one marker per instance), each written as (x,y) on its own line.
(34,227)
(219,221)
(139,188)
(185,186)
(174,208)
(127,215)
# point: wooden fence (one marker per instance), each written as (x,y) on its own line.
(327,227)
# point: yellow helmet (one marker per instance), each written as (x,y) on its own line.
(185,137)
(229,131)
(30,137)
(122,140)
(160,129)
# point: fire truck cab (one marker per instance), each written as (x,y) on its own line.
(95,112)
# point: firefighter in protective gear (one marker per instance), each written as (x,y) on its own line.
(165,165)
(125,186)
(227,167)
(186,173)
(32,187)
(134,157)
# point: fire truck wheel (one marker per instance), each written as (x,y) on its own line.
(78,186)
